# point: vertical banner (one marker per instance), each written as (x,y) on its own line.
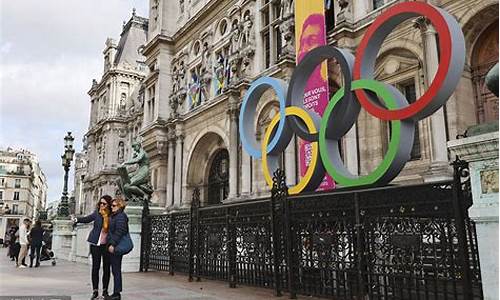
(310,32)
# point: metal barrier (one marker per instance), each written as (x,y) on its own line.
(393,242)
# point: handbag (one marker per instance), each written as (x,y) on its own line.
(125,245)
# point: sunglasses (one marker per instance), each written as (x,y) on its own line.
(114,205)
(102,203)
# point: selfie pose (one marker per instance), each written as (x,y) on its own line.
(97,239)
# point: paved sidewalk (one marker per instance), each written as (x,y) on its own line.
(73,279)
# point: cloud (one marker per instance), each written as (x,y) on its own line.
(49,53)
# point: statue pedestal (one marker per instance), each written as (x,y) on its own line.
(81,246)
(131,261)
(62,239)
(481,152)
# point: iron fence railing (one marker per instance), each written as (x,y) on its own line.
(395,242)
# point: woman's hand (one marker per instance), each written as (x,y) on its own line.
(73,218)
(111,249)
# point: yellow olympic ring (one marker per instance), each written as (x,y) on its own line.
(306,118)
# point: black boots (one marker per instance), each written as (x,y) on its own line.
(95,295)
(115,296)
(37,264)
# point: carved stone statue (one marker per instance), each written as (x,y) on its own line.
(287,8)
(123,99)
(220,73)
(135,186)
(247,37)
(288,30)
(235,38)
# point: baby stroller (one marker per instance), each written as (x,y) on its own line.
(46,253)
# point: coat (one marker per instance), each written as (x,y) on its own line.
(23,235)
(36,235)
(118,227)
(94,234)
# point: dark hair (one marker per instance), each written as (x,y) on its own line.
(108,200)
(38,224)
(26,220)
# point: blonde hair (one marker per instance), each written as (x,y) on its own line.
(120,202)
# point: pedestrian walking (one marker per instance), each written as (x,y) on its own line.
(23,241)
(97,239)
(14,244)
(36,235)
(6,238)
(119,243)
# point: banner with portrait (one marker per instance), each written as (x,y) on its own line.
(310,32)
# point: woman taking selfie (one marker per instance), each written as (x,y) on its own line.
(119,243)
(97,239)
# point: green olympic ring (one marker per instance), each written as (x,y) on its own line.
(389,166)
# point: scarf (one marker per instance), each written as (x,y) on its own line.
(105,219)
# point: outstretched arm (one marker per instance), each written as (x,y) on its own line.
(87,219)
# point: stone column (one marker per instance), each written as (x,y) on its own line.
(351,150)
(246,179)
(233,153)
(113,105)
(170,173)
(439,169)
(290,163)
(178,171)
(161,174)
(481,151)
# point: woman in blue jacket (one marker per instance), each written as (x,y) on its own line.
(118,228)
(98,238)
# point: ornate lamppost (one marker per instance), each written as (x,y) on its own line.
(67,157)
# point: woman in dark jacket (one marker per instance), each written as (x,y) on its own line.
(118,228)
(36,235)
(97,238)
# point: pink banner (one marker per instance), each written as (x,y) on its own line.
(310,33)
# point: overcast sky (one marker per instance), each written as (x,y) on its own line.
(49,52)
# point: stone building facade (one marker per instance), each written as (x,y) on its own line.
(116,109)
(23,187)
(201,57)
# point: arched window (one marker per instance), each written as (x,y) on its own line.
(218,178)
(121,151)
(484,57)
(223,27)
(196,48)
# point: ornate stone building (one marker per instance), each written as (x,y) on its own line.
(116,109)
(202,55)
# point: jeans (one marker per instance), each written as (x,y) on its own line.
(35,249)
(116,267)
(97,253)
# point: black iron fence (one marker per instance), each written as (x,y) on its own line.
(395,242)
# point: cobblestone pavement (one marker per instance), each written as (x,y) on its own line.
(73,279)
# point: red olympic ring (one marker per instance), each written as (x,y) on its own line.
(415,109)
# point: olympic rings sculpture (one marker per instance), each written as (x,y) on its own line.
(343,108)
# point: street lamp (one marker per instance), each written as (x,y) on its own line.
(67,157)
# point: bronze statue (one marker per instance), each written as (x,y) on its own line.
(135,186)
(492,80)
